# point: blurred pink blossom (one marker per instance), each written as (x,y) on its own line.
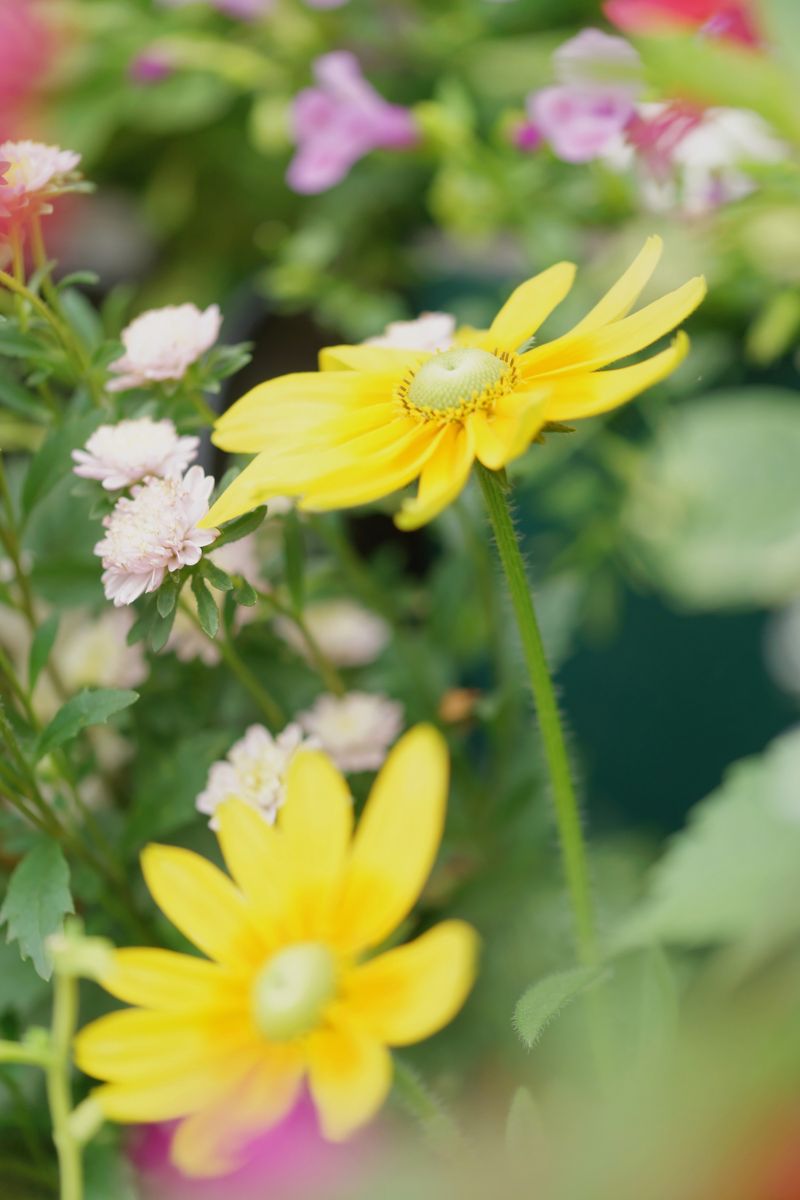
(163,343)
(27,46)
(289,1162)
(729,19)
(339,121)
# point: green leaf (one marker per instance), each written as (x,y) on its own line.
(731,874)
(37,900)
(167,596)
(714,512)
(524,1130)
(545,1000)
(41,647)
(79,278)
(87,708)
(82,317)
(54,459)
(245,594)
(207,610)
(234,531)
(19,399)
(218,578)
(167,786)
(294,559)
(160,629)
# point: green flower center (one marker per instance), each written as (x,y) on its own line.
(454,378)
(292,990)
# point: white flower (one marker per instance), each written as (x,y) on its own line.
(125,453)
(34,167)
(254,771)
(163,343)
(356,730)
(710,157)
(153,532)
(430,331)
(347,634)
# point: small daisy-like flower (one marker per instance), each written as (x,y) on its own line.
(387,417)
(163,343)
(347,634)
(126,453)
(430,331)
(254,771)
(356,729)
(152,532)
(287,992)
(34,169)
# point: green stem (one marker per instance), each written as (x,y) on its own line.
(426,1108)
(567,813)
(65,1020)
(321,663)
(19,1052)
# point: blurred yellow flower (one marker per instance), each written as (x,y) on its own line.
(225,1044)
(387,416)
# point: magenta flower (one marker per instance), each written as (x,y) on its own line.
(290,1161)
(339,121)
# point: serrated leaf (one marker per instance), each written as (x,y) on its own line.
(234,531)
(37,900)
(43,642)
(294,559)
(207,610)
(545,1000)
(90,707)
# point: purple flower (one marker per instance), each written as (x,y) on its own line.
(599,80)
(151,66)
(339,121)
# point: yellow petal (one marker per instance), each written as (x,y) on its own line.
(503,435)
(368,479)
(410,993)
(530,305)
(370,358)
(620,299)
(165,1097)
(202,903)
(136,1044)
(169,982)
(349,1076)
(586,395)
(256,858)
(443,477)
(316,822)
(397,840)
(287,405)
(210,1142)
(595,349)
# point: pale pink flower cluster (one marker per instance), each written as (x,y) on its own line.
(163,343)
(154,531)
(355,730)
(32,167)
(431,332)
(347,634)
(126,453)
(254,770)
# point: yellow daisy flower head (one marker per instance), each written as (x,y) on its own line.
(287,992)
(387,416)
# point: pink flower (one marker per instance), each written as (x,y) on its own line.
(125,453)
(151,65)
(289,1162)
(163,343)
(355,730)
(34,169)
(26,51)
(599,79)
(730,19)
(339,121)
(431,331)
(153,532)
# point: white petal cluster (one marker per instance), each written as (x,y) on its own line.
(347,634)
(130,451)
(431,332)
(152,532)
(355,730)
(34,167)
(163,343)
(254,771)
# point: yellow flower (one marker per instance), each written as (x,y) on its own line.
(287,994)
(352,435)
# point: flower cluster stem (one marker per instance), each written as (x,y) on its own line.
(567,814)
(59,1091)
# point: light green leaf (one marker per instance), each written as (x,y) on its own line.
(543,1002)
(714,513)
(207,610)
(42,644)
(37,900)
(90,707)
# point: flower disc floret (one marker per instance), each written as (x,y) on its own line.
(456,382)
(293,990)
(152,532)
